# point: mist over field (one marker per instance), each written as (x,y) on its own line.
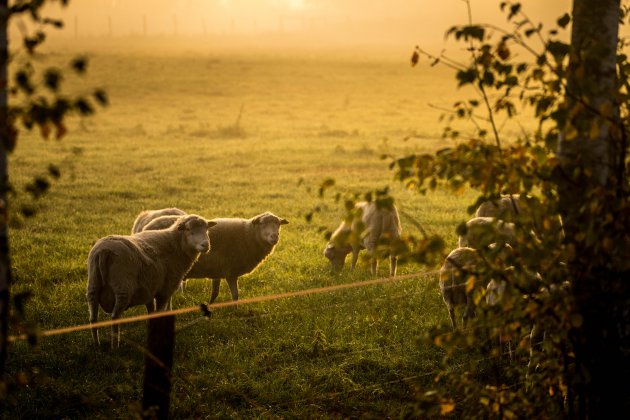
(277,23)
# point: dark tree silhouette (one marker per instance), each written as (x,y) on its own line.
(44,111)
(592,188)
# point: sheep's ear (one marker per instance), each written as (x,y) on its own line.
(210,224)
(284,222)
(258,219)
(181,226)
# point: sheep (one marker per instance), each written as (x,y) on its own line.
(379,223)
(238,247)
(453,282)
(482,231)
(526,210)
(142,269)
(461,265)
(148,215)
(505,208)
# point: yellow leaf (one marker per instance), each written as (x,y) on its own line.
(570,133)
(470,284)
(446,407)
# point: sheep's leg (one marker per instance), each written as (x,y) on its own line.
(469,312)
(93,308)
(451,314)
(121,303)
(162,303)
(374,267)
(150,306)
(215,289)
(355,257)
(393,264)
(233,283)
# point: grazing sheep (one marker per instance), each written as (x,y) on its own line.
(379,223)
(148,215)
(482,231)
(142,269)
(238,247)
(465,264)
(453,277)
(526,210)
(505,208)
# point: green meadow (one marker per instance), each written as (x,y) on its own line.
(234,133)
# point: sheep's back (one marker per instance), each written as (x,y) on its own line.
(147,216)
(235,250)
(379,222)
(125,268)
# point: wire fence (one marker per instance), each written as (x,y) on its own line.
(205,309)
(204,313)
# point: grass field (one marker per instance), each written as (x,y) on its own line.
(233,134)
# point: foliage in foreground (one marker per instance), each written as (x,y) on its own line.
(540,289)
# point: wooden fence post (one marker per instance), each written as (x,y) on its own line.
(158,364)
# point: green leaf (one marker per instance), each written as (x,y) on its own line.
(415,57)
(514,9)
(84,107)
(52,78)
(79,64)
(54,171)
(564,20)
(101,97)
(466,76)
(558,49)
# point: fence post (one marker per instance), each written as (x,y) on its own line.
(158,364)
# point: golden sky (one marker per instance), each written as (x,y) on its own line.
(325,21)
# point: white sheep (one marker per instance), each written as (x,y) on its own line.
(464,265)
(377,224)
(505,207)
(142,269)
(454,274)
(526,210)
(482,231)
(148,215)
(238,247)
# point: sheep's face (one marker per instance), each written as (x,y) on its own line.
(336,256)
(268,226)
(196,233)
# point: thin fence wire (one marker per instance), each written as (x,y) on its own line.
(206,314)
(205,309)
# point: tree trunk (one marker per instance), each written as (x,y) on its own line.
(5,268)
(591,154)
